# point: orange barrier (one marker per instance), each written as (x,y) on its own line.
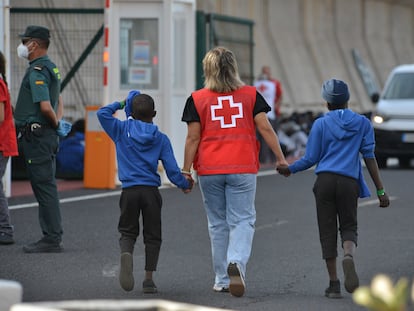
(100,166)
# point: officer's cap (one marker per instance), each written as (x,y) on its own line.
(38,32)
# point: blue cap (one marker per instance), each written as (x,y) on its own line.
(335,92)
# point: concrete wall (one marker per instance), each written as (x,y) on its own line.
(308,41)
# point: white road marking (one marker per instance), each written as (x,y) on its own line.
(115,193)
(267,226)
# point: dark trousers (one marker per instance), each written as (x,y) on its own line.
(39,149)
(336,201)
(145,201)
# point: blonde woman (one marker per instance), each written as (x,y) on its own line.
(221,145)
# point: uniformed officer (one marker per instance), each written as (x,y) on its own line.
(38,113)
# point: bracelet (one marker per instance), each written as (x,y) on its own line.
(186,172)
(380,192)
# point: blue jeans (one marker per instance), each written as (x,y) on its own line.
(231,214)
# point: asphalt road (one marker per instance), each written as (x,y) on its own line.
(285,271)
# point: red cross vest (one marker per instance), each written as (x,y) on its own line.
(228,143)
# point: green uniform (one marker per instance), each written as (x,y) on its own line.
(39,141)
(40,83)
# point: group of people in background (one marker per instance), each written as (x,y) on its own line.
(292,130)
(224,120)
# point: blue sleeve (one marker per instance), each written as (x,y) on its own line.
(110,124)
(170,165)
(313,150)
(368,141)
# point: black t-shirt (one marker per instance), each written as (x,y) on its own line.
(190,113)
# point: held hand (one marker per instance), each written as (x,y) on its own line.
(63,128)
(384,200)
(128,102)
(190,181)
(282,163)
(283,170)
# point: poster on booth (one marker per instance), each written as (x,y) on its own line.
(141,52)
(139,75)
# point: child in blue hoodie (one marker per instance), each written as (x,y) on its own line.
(335,143)
(139,147)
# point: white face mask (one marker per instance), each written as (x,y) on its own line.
(23,51)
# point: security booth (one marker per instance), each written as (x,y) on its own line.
(99,158)
(149,45)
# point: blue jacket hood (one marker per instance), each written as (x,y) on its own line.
(343,123)
(142,135)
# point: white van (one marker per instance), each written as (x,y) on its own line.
(393,119)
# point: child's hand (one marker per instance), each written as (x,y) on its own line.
(284,170)
(128,102)
(384,200)
(190,181)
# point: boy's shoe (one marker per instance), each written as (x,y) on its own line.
(126,276)
(351,278)
(237,285)
(6,238)
(334,290)
(148,287)
(43,246)
(220,289)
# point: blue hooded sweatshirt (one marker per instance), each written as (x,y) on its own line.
(335,143)
(139,146)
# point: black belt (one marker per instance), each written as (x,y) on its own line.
(29,128)
(34,126)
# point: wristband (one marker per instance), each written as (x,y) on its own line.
(380,192)
(122,103)
(186,172)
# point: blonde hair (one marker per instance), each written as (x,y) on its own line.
(221,71)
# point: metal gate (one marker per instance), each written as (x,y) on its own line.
(231,32)
(76,47)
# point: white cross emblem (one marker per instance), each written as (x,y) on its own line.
(227,114)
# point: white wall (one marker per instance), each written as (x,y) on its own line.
(308,41)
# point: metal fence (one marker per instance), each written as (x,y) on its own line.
(76,48)
(231,32)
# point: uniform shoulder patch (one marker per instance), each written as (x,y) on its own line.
(38,68)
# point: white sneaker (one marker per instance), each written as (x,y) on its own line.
(220,289)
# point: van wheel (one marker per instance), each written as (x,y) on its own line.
(382,162)
(404,162)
